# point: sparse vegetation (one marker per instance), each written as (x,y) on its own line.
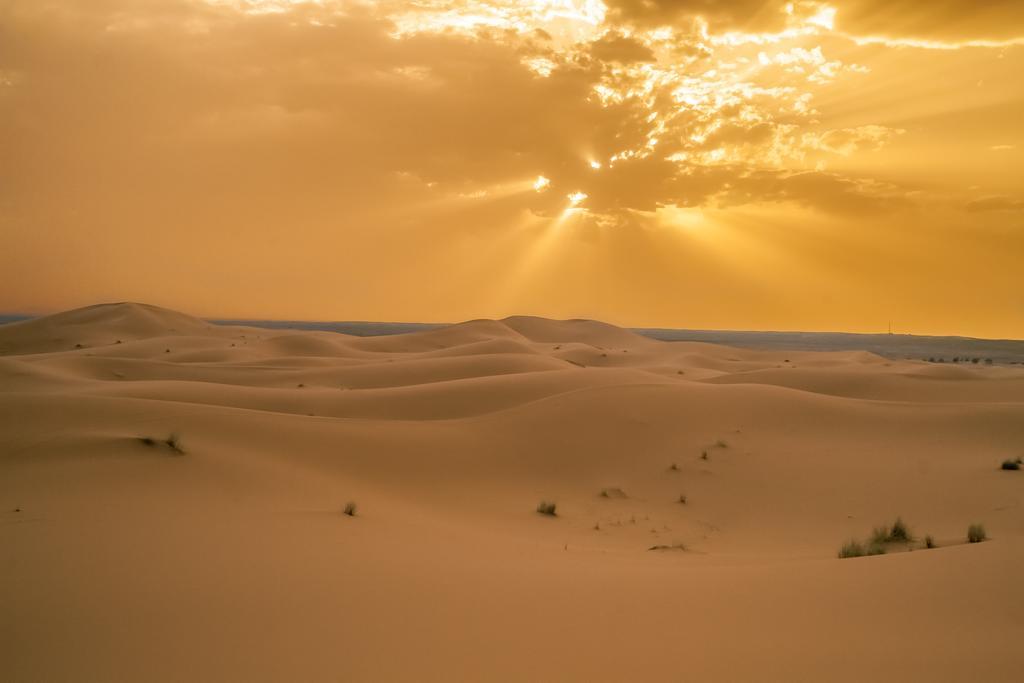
(929,542)
(704,455)
(674,546)
(721,444)
(976,533)
(350,509)
(546,507)
(174,443)
(899,532)
(673,467)
(612,492)
(852,548)
(1011,464)
(682,499)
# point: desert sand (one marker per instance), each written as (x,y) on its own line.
(225,554)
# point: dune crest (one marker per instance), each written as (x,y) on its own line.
(169,480)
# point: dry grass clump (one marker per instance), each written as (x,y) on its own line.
(854,548)
(350,509)
(976,534)
(173,441)
(897,532)
(546,507)
(674,546)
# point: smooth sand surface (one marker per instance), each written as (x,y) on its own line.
(123,561)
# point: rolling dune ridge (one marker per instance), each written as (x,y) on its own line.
(223,553)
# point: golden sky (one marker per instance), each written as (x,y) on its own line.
(691,163)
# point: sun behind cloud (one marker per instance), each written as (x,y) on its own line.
(345,145)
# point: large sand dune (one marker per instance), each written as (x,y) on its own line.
(127,561)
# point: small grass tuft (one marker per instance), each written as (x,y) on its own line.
(682,499)
(899,533)
(879,535)
(852,548)
(673,467)
(546,507)
(704,455)
(147,440)
(929,542)
(976,533)
(174,443)
(674,546)
(350,509)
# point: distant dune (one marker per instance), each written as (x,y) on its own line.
(172,496)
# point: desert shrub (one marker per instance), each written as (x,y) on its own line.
(988,361)
(1011,464)
(875,549)
(976,533)
(704,455)
(546,507)
(852,548)
(147,440)
(929,542)
(682,499)
(174,443)
(879,535)
(673,467)
(350,509)
(899,532)
(674,546)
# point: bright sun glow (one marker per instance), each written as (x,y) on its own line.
(577,197)
(595,165)
(541,183)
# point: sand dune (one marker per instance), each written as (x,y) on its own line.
(124,560)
